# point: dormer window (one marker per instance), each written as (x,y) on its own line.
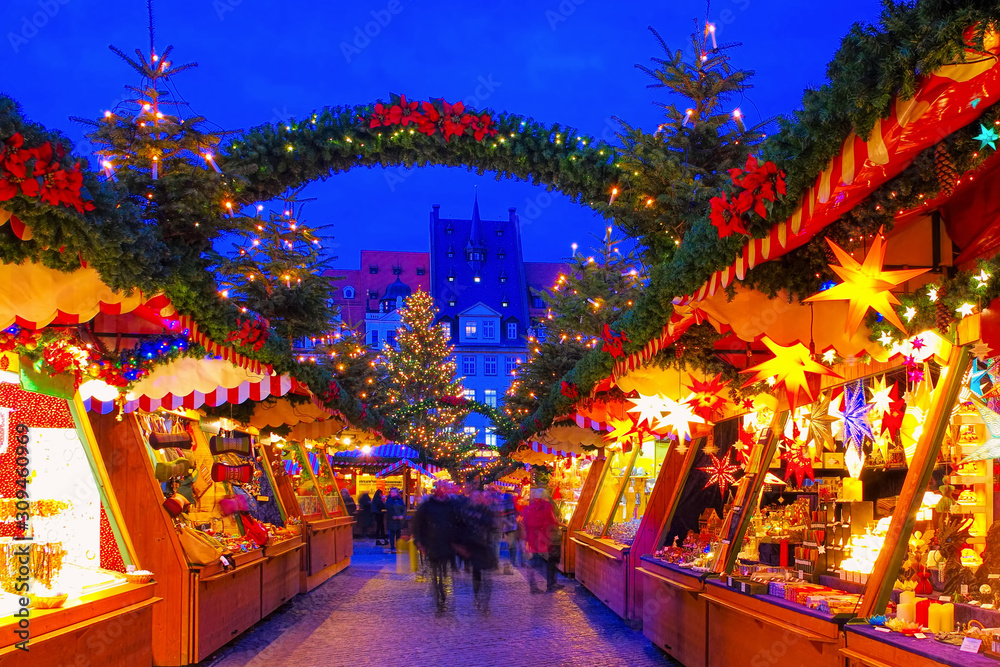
(348,292)
(421,270)
(505,302)
(477,278)
(451,252)
(452,302)
(501,254)
(475,254)
(373,268)
(397,270)
(448,229)
(499,230)
(503,276)
(451,276)
(372,294)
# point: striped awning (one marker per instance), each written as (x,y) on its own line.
(389,450)
(545,449)
(184,324)
(276,385)
(404,463)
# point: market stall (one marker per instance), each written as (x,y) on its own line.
(86,591)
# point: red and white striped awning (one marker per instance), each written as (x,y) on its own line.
(592,424)
(545,449)
(275,385)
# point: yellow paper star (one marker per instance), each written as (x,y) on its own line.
(916,410)
(866,285)
(789,368)
(623,429)
(647,408)
(678,416)
(880,396)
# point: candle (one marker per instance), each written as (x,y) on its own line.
(907,597)
(948,617)
(906,612)
(923,605)
(934,617)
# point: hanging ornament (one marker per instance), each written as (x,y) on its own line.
(987,137)
(744,446)
(721,473)
(854,459)
(678,417)
(912,424)
(646,410)
(798,463)
(892,419)
(981,351)
(979,379)
(882,396)
(790,368)
(706,399)
(866,285)
(857,428)
(818,423)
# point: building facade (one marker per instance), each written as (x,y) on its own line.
(482,287)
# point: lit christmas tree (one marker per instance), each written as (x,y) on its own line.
(423,395)
(163,163)
(673,173)
(354,365)
(276,272)
(592,294)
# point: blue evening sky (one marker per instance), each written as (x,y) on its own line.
(264,61)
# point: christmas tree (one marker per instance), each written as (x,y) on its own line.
(423,396)
(276,272)
(163,163)
(673,173)
(354,365)
(592,294)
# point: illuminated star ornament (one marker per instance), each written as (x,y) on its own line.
(857,428)
(790,369)
(882,396)
(706,400)
(987,137)
(866,285)
(798,463)
(720,473)
(991,448)
(678,417)
(979,379)
(647,409)
(819,424)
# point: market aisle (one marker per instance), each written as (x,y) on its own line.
(353,621)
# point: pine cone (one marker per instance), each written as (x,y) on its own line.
(831,257)
(944,169)
(943,317)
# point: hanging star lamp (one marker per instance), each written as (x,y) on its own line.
(866,285)
(979,379)
(745,444)
(646,410)
(798,463)
(706,399)
(678,417)
(991,448)
(857,427)
(790,368)
(818,423)
(912,424)
(721,473)
(882,396)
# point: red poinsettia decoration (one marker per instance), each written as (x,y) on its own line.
(37,171)
(614,342)
(455,401)
(433,117)
(252,333)
(570,390)
(332,392)
(758,184)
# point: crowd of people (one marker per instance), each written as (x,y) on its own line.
(456,529)
(387,513)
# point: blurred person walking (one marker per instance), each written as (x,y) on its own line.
(365,514)
(510,530)
(395,513)
(378,514)
(435,531)
(478,544)
(540,531)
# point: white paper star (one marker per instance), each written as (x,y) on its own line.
(966,309)
(909,313)
(881,400)
(829,356)
(678,417)
(648,408)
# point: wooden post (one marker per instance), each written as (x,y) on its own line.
(890,558)
(748,494)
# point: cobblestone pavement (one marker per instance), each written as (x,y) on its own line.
(370,615)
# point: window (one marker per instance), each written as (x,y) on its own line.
(470,394)
(468,364)
(512,330)
(470,329)
(372,294)
(452,302)
(491,437)
(448,229)
(537,301)
(490,397)
(488,329)
(501,254)
(375,338)
(390,337)
(348,292)
(490,364)
(446,328)
(471,430)
(510,365)
(451,276)
(451,252)
(503,276)
(504,303)
(475,255)
(421,270)
(373,268)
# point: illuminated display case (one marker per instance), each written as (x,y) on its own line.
(57,508)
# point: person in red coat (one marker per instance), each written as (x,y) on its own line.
(540,524)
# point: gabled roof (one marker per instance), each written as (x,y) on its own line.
(479,310)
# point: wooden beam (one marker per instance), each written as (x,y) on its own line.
(890,558)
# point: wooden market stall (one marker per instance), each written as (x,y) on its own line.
(88,593)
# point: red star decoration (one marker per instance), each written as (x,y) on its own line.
(720,473)
(893,419)
(748,404)
(798,462)
(746,443)
(706,401)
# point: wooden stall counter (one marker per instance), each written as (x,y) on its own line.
(603,569)
(329,547)
(112,627)
(867,647)
(279,580)
(674,615)
(765,630)
(228,601)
